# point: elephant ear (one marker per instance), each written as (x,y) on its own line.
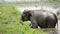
(28,13)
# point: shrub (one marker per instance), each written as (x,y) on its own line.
(10,22)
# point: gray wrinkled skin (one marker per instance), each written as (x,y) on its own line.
(41,18)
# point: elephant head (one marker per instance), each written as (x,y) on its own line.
(26,15)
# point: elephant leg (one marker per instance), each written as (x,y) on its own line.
(42,26)
(33,23)
(29,24)
(51,24)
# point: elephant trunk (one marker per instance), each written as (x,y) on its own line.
(21,21)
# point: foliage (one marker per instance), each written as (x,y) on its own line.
(10,22)
(58,14)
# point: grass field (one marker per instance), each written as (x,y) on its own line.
(10,22)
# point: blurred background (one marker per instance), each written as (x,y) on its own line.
(11,10)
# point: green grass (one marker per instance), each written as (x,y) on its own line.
(10,22)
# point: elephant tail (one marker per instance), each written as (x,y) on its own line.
(56,19)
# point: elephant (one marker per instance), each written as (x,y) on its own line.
(41,18)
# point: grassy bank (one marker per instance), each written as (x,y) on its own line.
(10,22)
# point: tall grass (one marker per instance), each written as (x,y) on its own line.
(10,22)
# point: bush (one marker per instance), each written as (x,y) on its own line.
(10,22)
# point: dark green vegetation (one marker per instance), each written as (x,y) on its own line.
(10,22)
(58,14)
